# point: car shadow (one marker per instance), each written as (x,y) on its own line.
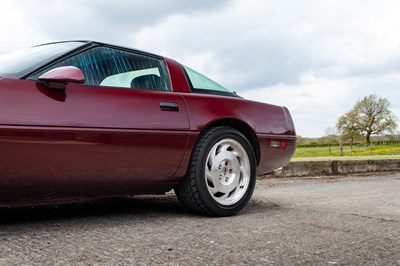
(95,208)
(129,207)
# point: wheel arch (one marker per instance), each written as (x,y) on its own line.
(240,126)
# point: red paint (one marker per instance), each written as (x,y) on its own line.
(64,74)
(177,76)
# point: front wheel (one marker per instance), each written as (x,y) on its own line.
(221,176)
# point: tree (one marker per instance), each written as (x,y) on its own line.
(331,132)
(300,140)
(347,126)
(370,116)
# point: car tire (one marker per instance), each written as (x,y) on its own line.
(221,175)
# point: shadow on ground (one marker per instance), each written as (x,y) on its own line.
(142,206)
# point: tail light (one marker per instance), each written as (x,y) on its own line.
(280,144)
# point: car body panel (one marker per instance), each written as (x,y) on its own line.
(95,135)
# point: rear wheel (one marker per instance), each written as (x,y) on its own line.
(221,176)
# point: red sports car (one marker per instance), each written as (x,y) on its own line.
(83,119)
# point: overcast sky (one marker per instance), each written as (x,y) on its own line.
(315,57)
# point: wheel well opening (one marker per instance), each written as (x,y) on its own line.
(243,128)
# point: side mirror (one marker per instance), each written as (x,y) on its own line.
(59,77)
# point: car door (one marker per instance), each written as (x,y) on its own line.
(98,137)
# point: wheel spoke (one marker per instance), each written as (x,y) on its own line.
(229,188)
(212,176)
(244,171)
(223,148)
(223,197)
(211,158)
(209,175)
(237,153)
(217,188)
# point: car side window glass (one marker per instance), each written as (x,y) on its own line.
(201,82)
(105,66)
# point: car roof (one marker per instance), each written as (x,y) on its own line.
(97,43)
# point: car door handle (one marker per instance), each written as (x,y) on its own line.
(168,106)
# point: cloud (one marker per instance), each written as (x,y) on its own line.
(17,31)
(282,40)
(107,21)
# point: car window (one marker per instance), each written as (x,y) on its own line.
(105,66)
(200,82)
(125,79)
(17,63)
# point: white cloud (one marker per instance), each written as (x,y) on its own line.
(17,31)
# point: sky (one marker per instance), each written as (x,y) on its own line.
(315,57)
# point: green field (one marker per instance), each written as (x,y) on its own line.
(345,158)
(359,150)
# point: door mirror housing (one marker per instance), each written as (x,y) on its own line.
(59,77)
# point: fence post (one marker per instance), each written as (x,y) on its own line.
(341,148)
(335,167)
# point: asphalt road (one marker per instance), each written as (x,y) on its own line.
(344,221)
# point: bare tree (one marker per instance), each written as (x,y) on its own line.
(370,116)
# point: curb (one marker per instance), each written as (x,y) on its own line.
(332,168)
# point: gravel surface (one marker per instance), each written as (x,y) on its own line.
(343,221)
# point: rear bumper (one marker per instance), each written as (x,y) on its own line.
(273,158)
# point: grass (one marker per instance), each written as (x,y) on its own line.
(345,158)
(349,153)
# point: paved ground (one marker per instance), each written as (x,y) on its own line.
(346,221)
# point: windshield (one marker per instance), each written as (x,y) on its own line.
(15,64)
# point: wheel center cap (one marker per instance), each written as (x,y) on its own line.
(225,172)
